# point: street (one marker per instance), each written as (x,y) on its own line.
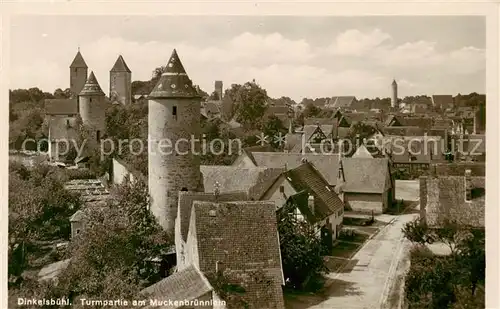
(368,281)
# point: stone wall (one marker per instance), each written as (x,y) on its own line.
(120,172)
(445,200)
(172,169)
(121,83)
(77,79)
(364,202)
(93,112)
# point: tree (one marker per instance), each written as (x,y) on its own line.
(275,129)
(250,104)
(311,111)
(109,257)
(214,96)
(35,215)
(445,281)
(301,250)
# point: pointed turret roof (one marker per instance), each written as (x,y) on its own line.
(120,65)
(78,62)
(91,86)
(394,82)
(174,82)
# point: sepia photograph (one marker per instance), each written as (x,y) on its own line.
(253,161)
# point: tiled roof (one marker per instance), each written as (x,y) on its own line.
(420,153)
(422,122)
(61,107)
(252,180)
(78,216)
(293,141)
(186,200)
(174,82)
(404,131)
(362,152)
(211,108)
(326,164)
(318,121)
(344,101)
(241,237)
(92,87)
(306,177)
(78,62)
(187,284)
(364,175)
(120,65)
(91,190)
(442,101)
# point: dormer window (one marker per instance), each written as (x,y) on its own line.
(282,189)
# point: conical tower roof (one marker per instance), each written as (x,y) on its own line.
(91,86)
(120,65)
(174,82)
(78,62)
(394,82)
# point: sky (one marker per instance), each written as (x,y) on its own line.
(292,56)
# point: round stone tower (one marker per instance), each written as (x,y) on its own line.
(92,106)
(77,74)
(173,154)
(394,97)
(120,82)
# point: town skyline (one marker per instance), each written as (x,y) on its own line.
(367,52)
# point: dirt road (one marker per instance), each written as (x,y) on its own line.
(366,281)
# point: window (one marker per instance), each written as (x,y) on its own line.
(76,70)
(98,135)
(174,112)
(282,189)
(184,189)
(91,100)
(67,122)
(77,231)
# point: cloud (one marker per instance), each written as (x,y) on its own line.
(360,63)
(356,43)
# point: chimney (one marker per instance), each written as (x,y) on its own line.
(310,203)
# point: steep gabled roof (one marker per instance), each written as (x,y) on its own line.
(326,164)
(78,62)
(307,178)
(61,107)
(365,175)
(187,284)
(241,237)
(344,101)
(186,200)
(362,152)
(252,180)
(120,65)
